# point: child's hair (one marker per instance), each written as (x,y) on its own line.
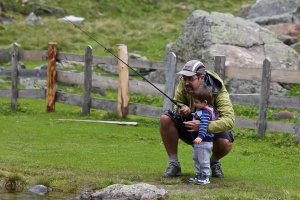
(204,94)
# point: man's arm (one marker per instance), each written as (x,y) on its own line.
(181,96)
(226,113)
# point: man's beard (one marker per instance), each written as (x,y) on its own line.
(190,90)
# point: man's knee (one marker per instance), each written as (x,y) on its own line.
(221,147)
(165,121)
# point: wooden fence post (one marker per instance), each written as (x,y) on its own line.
(51,77)
(219,66)
(14,76)
(123,81)
(170,80)
(87,86)
(264,98)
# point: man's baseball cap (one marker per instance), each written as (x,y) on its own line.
(192,67)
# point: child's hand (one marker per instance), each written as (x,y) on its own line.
(198,140)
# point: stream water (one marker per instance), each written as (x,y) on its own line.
(4,195)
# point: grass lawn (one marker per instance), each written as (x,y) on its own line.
(72,156)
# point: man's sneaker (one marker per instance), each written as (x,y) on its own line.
(193,179)
(216,170)
(202,180)
(173,170)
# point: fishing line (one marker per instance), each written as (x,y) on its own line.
(109,51)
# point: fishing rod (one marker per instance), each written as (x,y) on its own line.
(109,51)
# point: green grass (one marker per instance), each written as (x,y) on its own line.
(145,26)
(72,156)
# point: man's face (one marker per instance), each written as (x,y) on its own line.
(192,83)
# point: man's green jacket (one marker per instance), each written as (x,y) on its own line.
(222,102)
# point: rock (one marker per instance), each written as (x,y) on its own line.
(6,20)
(284,115)
(40,189)
(265,12)
(75,20)
(244,43)
(268,8)
(139,191)
(244,10)
(290,29)
(32,19)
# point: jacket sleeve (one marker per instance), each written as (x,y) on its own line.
(226,113)
(180,95)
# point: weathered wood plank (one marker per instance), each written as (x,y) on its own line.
(87,86)
(34,55)
(106,60)
(5,54)
(70,99)
(245,99)
(135,109)
(108,83)
(280,127)
(143,110)
(255,74)
(14,76)
(285,76)
(32,94)
(274,101)
(219,66)
(147,64)
(264,98)
(170,80)
(284,102)
(28,93)
(5,93)
(98,121)
(70,57)
(123,99)
(271,126)
(51,77)
(25,73)
(245,123)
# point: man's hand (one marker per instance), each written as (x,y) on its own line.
(198,140)
(185,111)
(193,126)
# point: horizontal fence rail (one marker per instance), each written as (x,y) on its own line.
(142,87)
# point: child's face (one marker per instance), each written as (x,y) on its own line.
(199,104)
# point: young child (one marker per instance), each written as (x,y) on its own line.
(203,141)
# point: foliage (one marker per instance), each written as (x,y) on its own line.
(144,26)
(294,90)
(74,157)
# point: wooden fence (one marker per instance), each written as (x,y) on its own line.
(265,75)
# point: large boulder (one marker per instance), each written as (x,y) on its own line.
(139,191)
(266,12)
(244,43)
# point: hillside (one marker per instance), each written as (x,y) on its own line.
(145,26)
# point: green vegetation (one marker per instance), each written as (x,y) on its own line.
(73,156)
(145,26)
(35,148)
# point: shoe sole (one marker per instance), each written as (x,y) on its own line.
(176,175)
(202,183)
